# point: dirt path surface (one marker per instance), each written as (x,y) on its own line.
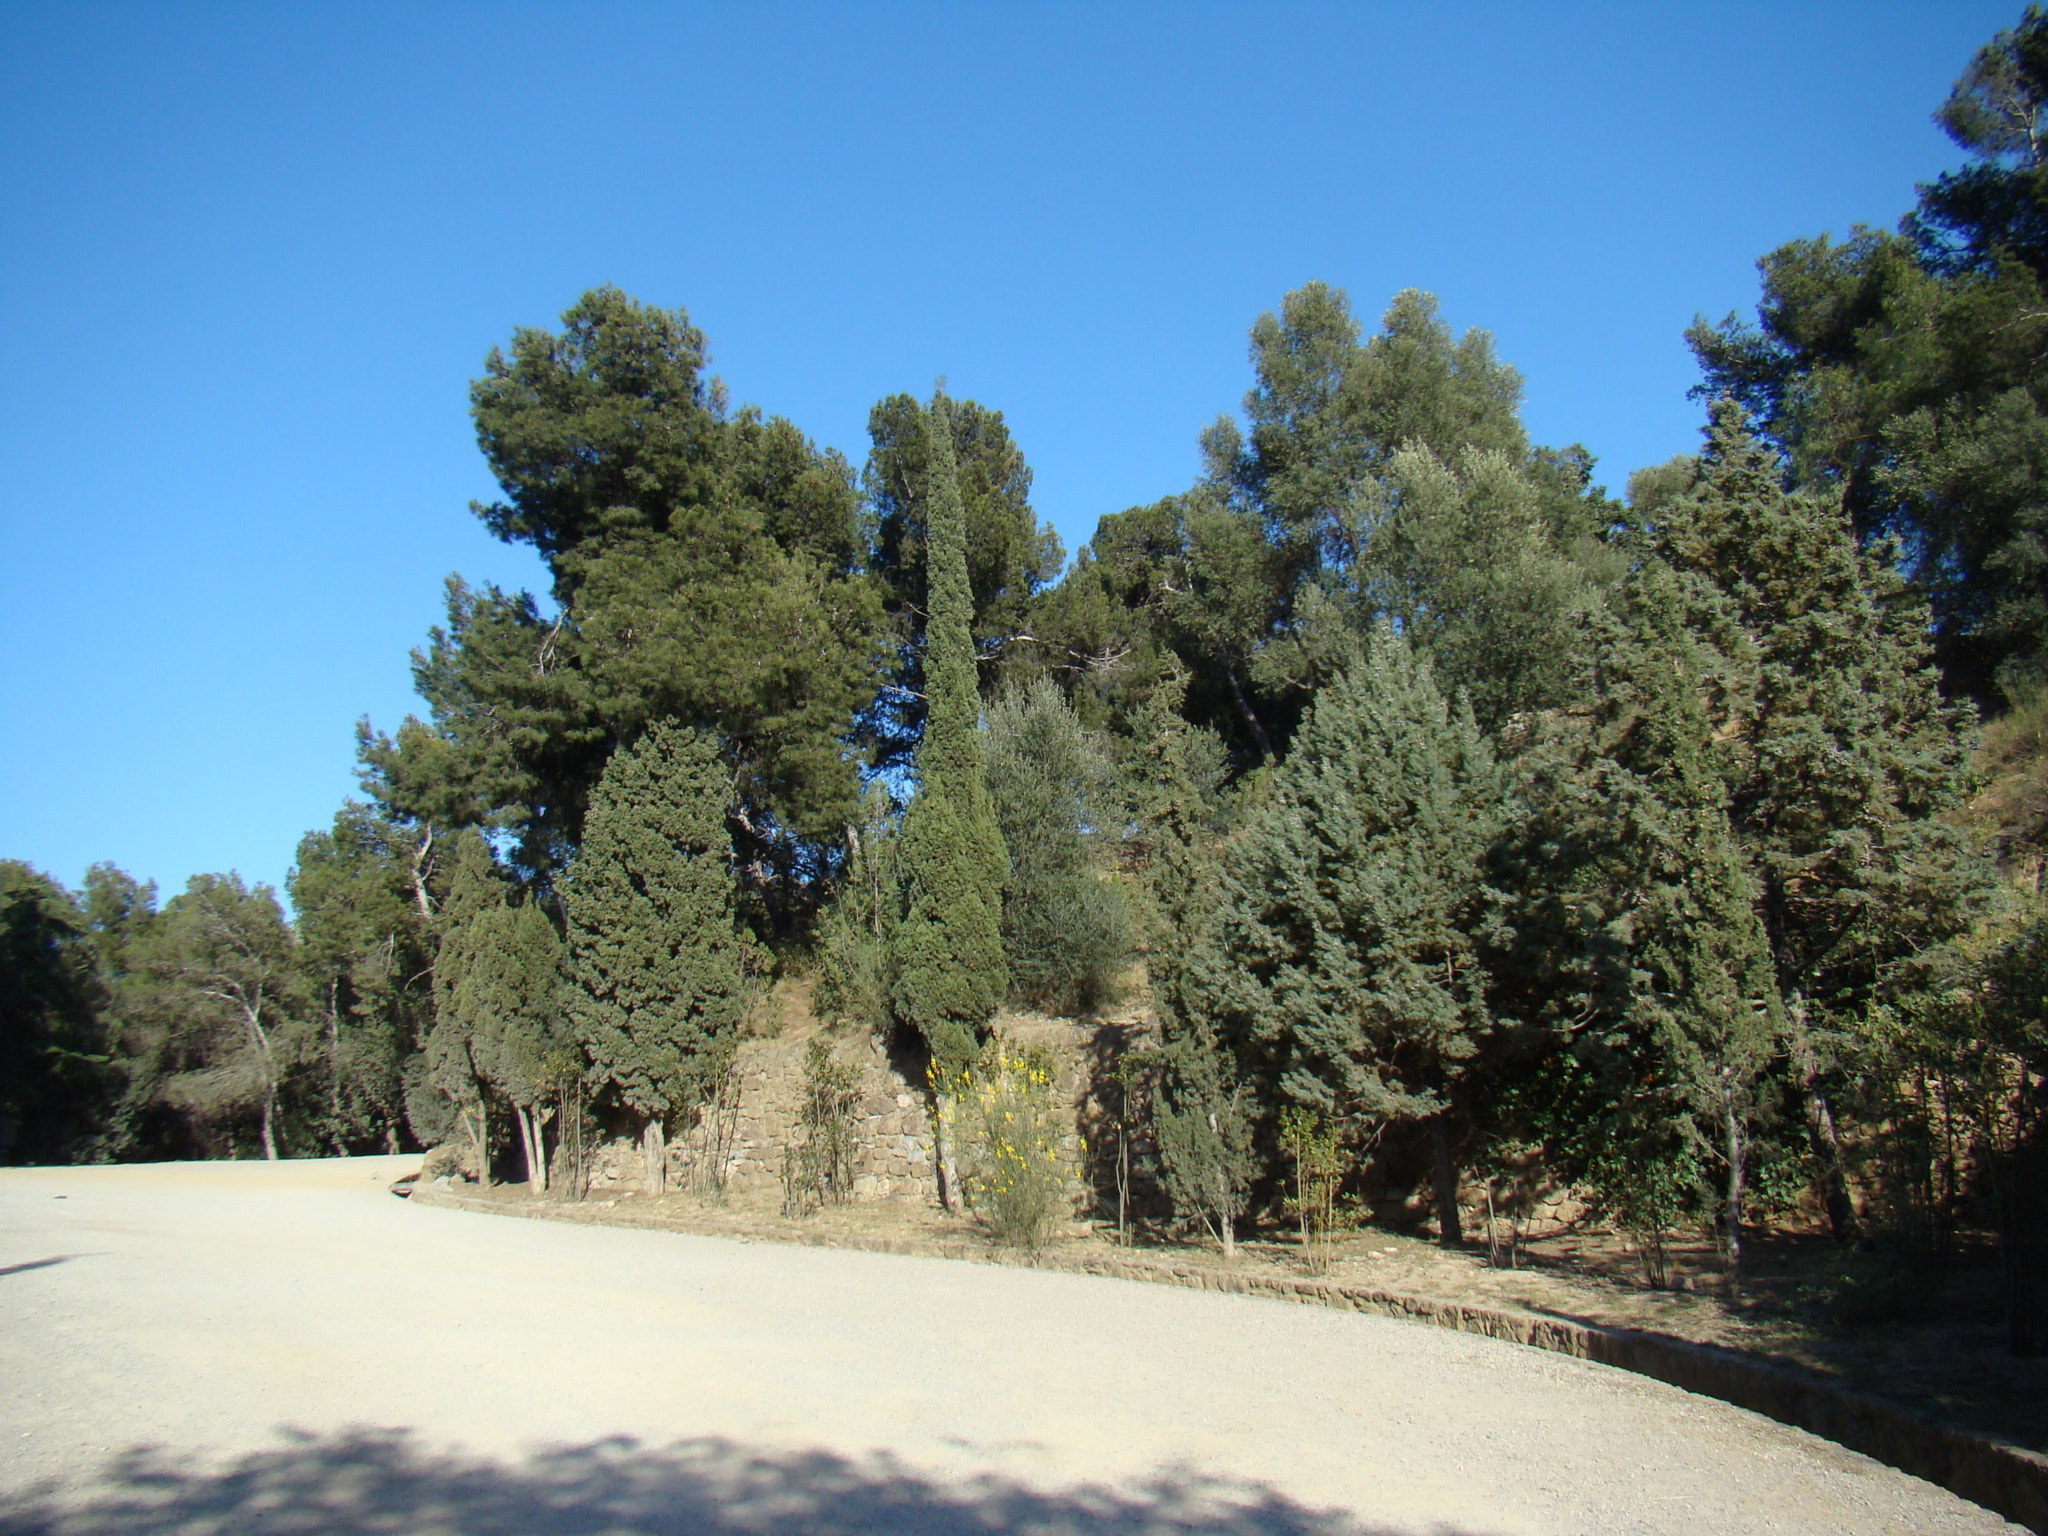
(272,1349)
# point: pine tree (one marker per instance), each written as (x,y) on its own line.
(1341,969)
(57,1082)
(948,954)
(657,964)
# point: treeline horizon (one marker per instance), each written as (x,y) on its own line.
(1683,848)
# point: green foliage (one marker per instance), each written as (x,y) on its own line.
(658,966)
(58,1079)
(1907,370)
(1065,928)
(1205,1151)
(1472,567)
(817,1162)
(366,946)
(1383,479)
(705,570)
(1170,774)
(219,998)
(1011,556)
(1311,1145)
(1648,1183)
(853,939)
(1340,967)
(510,1001)
(947,955)
(448,1089)
(1660,976)
(1008,1125)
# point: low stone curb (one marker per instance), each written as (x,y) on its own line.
(2007,1479)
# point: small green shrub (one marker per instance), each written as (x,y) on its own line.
(1311,1142)
(817,1162)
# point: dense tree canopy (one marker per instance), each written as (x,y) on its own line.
(1410,781)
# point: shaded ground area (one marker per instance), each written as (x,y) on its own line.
(257,1349)
(359,1483)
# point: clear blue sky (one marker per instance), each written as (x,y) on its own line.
(251,256)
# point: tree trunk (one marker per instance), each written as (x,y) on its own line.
(1449,1230)
(1224,1225)
(1827,1152)
(2023,1237)
(654,1152)
(334,1066)
(531,1144)
(269,1116)
(1736,1152)
(421,898)
(1821,1136)
(478,1124)
(1251,720)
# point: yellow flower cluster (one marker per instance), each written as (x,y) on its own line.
(1007,1125)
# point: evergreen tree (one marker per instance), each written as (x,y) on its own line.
(949,974)
(1641,911)
(1847,763)
(221,985)
(509,1003)
(446,1087)
(853,946)
(58,1081)
(367,949)
(1171,773)
(120,919)
(706,568)
(946,961)
(1011,555)
(658,967)
(1908,372)
(1205,1150)
(1341,968)
(1065,929)
(1472,565)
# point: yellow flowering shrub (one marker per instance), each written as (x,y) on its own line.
(1009,1129)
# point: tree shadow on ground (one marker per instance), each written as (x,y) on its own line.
(384,1483)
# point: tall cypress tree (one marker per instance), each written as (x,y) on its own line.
(659,982)
(949,970)
(1341,968)
(947,952)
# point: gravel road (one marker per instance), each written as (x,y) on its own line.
(288,1349)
